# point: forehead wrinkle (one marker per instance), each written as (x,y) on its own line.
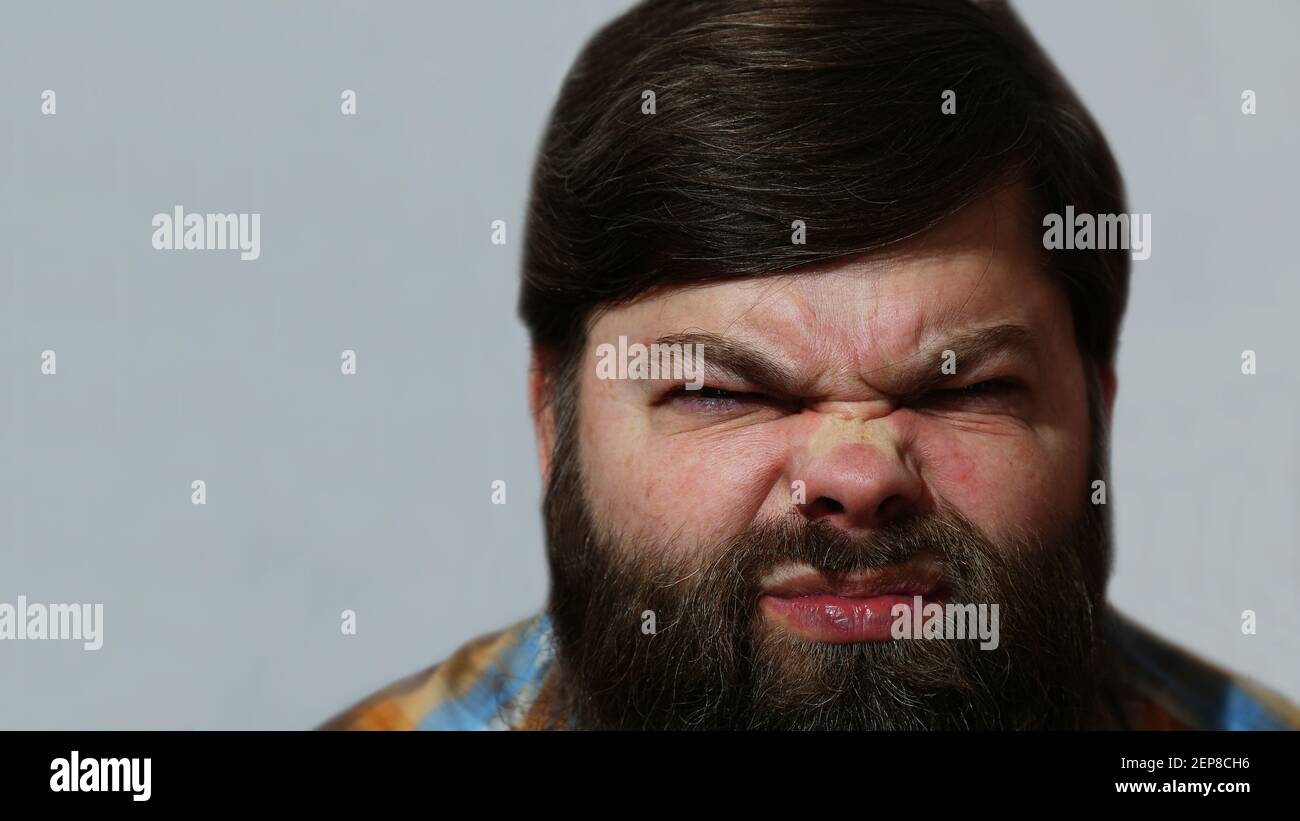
(812,338)
(787,326)
(861,333)
(769,293)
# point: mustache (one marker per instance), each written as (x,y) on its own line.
(947,538)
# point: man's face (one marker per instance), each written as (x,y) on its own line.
(914,423)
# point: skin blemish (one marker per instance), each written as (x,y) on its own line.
(836,430)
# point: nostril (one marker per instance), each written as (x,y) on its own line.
(891,508)
(829,506)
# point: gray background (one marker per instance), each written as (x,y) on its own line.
(372,492)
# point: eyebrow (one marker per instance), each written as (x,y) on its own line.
(972,348)
(914,375)
(740,360)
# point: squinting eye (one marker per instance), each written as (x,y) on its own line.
(980,388)
(990,390)
(708,399)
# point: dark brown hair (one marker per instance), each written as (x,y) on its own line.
(826,111)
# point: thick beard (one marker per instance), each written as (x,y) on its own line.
(714,663)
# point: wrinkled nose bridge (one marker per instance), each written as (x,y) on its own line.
(835,430)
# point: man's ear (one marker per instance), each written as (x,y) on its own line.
(1109,386)
(540,373)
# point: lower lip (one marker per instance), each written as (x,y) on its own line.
(837,619)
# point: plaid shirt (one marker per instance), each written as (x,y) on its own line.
(508,681)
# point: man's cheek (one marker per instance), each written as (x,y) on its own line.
(725,485)
(696,487)
(999,483)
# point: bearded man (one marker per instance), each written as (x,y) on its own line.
(902,401)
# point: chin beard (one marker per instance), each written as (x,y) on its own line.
(715,662)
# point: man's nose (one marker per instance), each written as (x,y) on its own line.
(856,476)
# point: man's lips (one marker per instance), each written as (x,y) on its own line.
(850,608)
